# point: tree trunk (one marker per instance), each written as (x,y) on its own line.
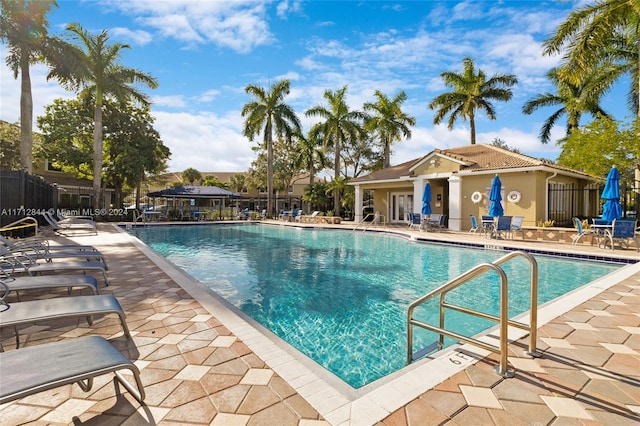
(472,125)
(269,141)
(98,201)
(336,169)
(26,118)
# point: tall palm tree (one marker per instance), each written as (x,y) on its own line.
(339,124)
(310,155)
(573,101)
(23,27)
(93,68)
(471,91)
(388,121)
(605,32)
(266,114)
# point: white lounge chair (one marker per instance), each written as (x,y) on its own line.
(69,226)
(61,363)
(46,252)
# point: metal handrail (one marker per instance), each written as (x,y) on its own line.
(503,319)
(12,226)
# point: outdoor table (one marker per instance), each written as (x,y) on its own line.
(602,231)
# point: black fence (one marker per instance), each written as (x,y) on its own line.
(567,202)
(22,195)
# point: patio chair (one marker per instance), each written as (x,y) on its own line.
(442,221)
(298,215)
(35,311)
(622,231)
(310,218)
(61,363)
(503,227)
(581,231)
(432,221)
(488,225)
(474,225)
(19,264)
(516,226)
(415,221)
(69,226)
(45,252)
(42,282)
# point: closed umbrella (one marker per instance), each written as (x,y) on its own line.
(426,199)
(496,209)
(612,209)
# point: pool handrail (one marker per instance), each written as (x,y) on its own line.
(12,226)
(503,319)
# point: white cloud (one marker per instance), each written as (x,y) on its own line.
(138,37)
(204,141)
(175,101)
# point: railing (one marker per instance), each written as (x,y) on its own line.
(503,319)
(17,224)
(374,222)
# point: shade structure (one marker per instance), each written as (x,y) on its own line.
(611,194)
(194,192)
(495,209)
(426,199)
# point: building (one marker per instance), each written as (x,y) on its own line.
(460,180)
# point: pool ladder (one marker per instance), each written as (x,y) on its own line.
(503,319)
(376,220)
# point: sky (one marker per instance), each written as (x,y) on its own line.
(205,52)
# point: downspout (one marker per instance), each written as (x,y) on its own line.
(546,196)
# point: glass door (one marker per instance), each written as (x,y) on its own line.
(400,204)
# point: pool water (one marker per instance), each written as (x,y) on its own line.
(341,297)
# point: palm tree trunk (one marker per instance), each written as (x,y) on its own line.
(97,156)
(269,141)
(336,170)
(387,153)
(26,118)
(472,125)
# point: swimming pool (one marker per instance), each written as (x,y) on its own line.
(341,297)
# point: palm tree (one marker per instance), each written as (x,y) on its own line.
(605,32)
(23,27)
(471,91)
(388,121)
(94,69)
(310,154)
(573,101)
(339,124)
(269,112)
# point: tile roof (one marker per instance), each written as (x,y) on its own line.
(476,157)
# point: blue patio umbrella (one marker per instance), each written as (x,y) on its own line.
(426,199)
(496,209)
(611,193)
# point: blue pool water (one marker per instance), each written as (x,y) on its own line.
(341,297)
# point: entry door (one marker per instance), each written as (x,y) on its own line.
(400,204)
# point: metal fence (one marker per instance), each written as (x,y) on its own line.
(567,202)
(22,194)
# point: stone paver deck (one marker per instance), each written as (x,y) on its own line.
(201,366)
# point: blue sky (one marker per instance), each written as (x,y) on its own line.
(204,53)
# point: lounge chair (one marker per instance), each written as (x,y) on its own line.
(415,221)
(39,368)
(44,243)
(42,282)
(32,311)
(310,218)
(16,264)
(69,226)
(581,231)
(622,230)
(432,221)
(47,253)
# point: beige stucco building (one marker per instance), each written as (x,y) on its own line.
(460,180)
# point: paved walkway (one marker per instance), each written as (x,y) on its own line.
(197,371)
